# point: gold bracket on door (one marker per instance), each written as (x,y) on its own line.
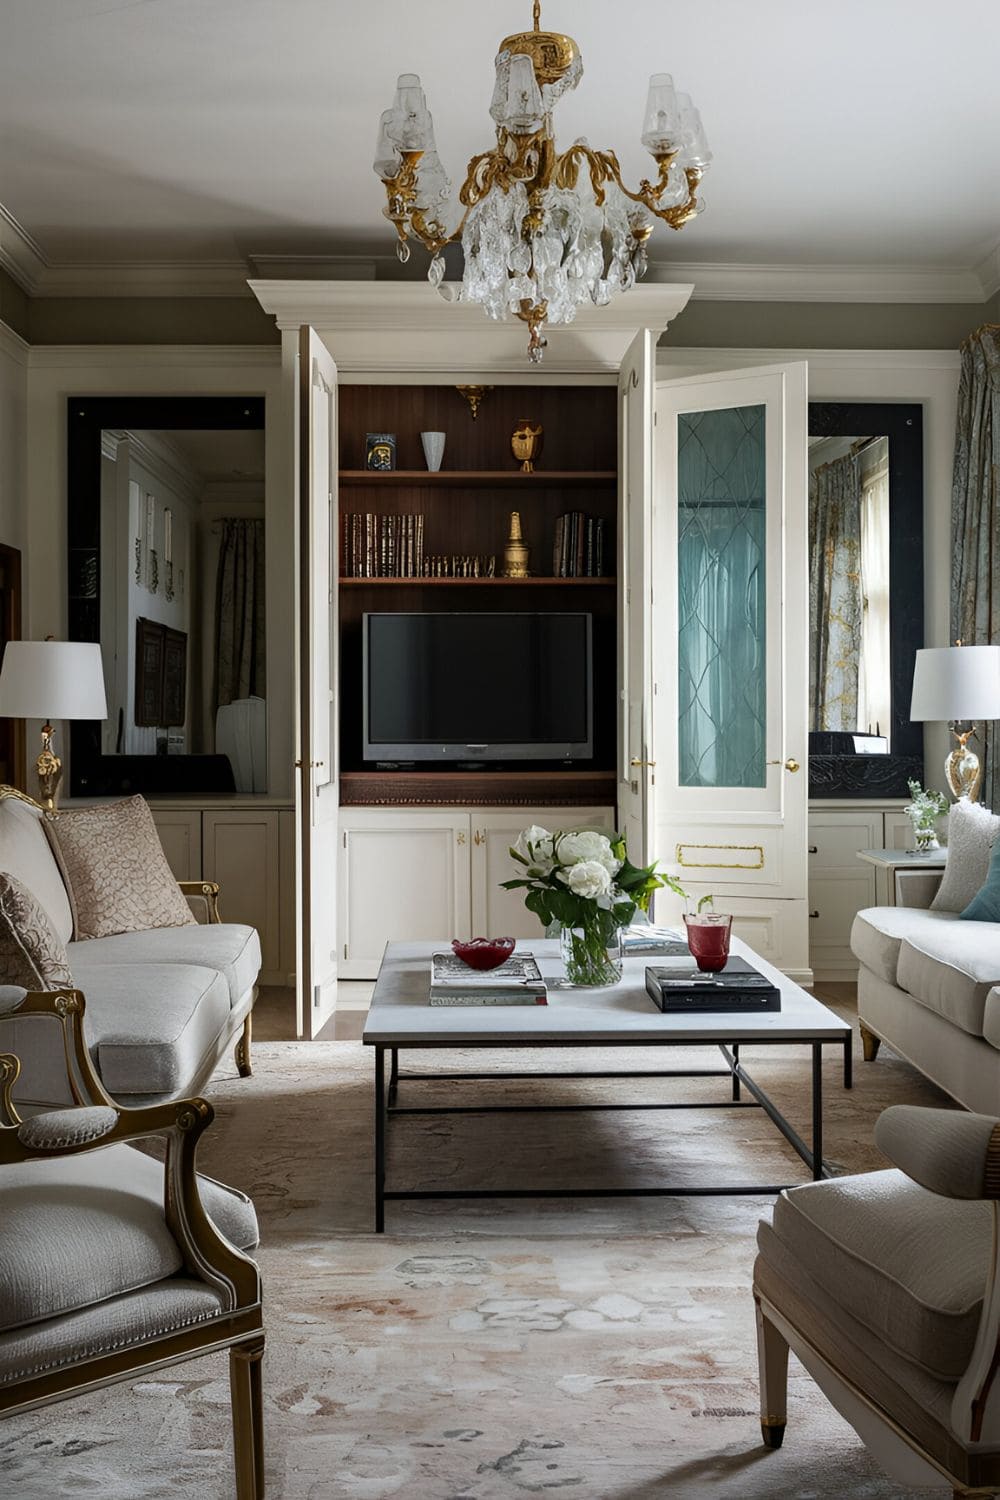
(460,838)
(312,764)
(635,761)
(719,864)
(791,764)
(478,838)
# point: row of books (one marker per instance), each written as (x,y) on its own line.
(374,545)
(579,546)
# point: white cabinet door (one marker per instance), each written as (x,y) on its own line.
(500,913)
(241,853)
(402,876)
(898,831)
(729,640)
(180,835)
(316,535)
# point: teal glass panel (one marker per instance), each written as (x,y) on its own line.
(722,700)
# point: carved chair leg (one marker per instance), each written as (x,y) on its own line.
(870,1043)
(248,1418)
(772,1361)
(242,1053)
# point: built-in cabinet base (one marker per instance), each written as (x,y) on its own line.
(840,884)
(434,873)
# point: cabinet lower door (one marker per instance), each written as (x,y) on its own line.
(180,835)
(241,853)
(404,876)
(500,913)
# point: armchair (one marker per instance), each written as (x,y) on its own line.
(887,1288)
(112,1263)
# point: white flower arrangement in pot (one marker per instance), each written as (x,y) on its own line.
(923,812)
(584,881)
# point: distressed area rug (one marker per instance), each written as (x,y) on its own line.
(602,1348)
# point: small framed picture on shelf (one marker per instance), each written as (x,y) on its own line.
(380,450)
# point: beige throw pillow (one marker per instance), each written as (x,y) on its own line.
(972,830)
(115,870)
(32,955)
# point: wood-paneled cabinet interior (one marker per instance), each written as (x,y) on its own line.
(841,885)
(434,874)
(250,851)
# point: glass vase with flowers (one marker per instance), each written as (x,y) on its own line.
(583,880)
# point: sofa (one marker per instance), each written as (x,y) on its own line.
(929,981)
(163,1005)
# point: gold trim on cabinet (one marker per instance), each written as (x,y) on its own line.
(701,864)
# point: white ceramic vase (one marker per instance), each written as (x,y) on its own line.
(433,443)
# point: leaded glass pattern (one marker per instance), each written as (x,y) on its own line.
(722,699)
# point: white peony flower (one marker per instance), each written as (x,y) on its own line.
(587,878)
(587,845)
(535,846)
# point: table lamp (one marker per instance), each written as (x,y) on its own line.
(958,684)
(51,680)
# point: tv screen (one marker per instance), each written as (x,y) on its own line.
(477,687)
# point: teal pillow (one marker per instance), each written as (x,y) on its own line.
(985,904)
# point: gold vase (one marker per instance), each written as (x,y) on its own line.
(515,553)
(526,444)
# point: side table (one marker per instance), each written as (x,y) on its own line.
(898,871)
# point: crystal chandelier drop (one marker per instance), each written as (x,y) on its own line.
(542,231)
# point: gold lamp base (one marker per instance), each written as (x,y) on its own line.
(962,770)
(48,769)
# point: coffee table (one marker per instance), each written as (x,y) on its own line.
(623,1015)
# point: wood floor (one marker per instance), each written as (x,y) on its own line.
(274,1013)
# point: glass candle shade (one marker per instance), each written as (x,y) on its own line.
(708,939)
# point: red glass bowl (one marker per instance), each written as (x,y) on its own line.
(483,953)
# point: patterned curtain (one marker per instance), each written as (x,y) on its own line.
(975,520)
(239,613)
(836,600)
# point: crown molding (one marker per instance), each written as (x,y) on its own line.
(710,359)
(13,345)
(403,327)
(788,283)
(20,255)
(988,271)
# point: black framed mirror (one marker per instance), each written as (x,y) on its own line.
(866,584)
(160,491)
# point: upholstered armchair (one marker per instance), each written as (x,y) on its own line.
(114,1263)
(887,1287)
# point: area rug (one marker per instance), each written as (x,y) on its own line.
(601,1348)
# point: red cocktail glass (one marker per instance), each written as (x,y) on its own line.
(708,940)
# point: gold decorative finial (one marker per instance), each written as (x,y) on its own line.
(474,395)
(536,11)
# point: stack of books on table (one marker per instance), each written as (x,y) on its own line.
(682,988)
(518,981)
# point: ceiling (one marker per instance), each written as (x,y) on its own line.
(195,132)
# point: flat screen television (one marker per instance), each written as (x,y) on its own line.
(477,687)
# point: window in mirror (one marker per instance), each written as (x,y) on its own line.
(865,596)
(167,571)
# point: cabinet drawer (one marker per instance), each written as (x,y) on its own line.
(835,838)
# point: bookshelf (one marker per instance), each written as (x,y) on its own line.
(465,509)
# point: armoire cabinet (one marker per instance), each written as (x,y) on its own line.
(392,858)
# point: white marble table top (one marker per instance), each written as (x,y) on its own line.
(622,1014)
(891,858)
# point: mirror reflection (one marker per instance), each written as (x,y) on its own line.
(850,683)
(182,623)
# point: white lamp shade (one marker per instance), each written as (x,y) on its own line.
(52,680)
(956,683)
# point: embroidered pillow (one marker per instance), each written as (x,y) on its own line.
(32,955)
(115,870)
(972,830)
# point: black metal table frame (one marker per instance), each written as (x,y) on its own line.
(387,1107)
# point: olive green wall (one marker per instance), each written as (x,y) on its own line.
(824,325)
(13,305)
(703,324)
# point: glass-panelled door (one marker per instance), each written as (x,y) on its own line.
(729,647)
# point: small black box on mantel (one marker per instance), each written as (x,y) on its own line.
(687,991)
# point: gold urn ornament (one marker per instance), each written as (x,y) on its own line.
(516,552)
(526,444)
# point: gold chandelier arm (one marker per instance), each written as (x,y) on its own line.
(649,193)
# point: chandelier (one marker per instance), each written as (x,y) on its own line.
(542,231)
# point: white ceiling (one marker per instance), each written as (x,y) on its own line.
(861,133)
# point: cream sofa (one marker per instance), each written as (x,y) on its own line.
(929,986)
(162,1006)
